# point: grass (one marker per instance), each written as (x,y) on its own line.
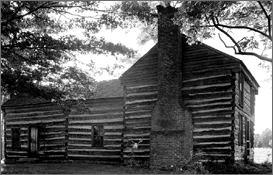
(69,168)
(262,155)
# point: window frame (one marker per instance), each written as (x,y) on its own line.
(241,89)
(252,100)
(241,131)
(247,136)
(15,141)
(101,135)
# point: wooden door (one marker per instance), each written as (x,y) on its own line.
(247,137)
(33,141)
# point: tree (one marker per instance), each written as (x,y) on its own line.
(266,136)
(199,19)
(257,141)
(73,83)
(36,43)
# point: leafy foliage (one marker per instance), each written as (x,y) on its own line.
(36,42)
(199,19)
(263,140)
(73,83)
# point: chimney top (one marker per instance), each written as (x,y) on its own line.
(166,10)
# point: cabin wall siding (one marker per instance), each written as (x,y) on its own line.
(207,91)
(245,112)
(106,112)
(49,118)
(139,104)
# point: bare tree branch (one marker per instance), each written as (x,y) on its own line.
(268,19)
(236,47)
(244,27)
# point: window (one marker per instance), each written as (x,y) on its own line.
(15,133)
(252,100)
(97,136)
(247,132)
(240,133)
(241,90)
(251,134)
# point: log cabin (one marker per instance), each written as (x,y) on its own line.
(176,101)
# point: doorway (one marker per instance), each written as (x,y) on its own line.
(33,141)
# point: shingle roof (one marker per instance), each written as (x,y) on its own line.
(105,89)
(110,88)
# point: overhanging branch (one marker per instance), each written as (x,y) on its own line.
(268,19)
(245,53)
(237,49)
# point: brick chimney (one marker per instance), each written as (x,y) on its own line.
(171,125)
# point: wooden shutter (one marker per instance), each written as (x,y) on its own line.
(15,137)
(241,90)
(252,100)
(241,133)
(98,133)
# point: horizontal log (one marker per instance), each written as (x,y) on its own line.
(208,111)
(208,125)
(213,113)
(213,132)
(97,121)
(141,101)
(209,95)
(52,145)
(210,128)
(148,126)
(33,113)
(95,116)
(138,121)
(206,86)
(212,119)
(34,122)
(137,135)
(209,100)
(220,139)
(211,136)
(208,81)
(54,138)
(87,146)
(70,155)
(96,150)
(16,152)
(138,116)
(37,107)
(131,108)
(142,88)
(16,156)
(210,104)
(136,94)
(207,77)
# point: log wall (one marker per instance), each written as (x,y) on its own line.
(106,112)
(50,120)
(139,103)
(240,150)
(208,94)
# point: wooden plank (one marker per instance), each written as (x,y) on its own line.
(96,121)
(34,122)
